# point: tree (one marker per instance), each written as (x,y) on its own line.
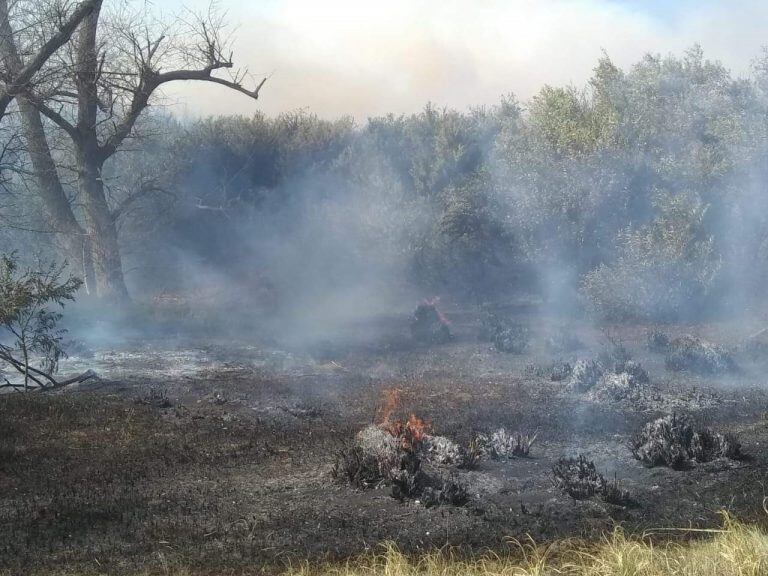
(16,76)
(107,79)
(25,297)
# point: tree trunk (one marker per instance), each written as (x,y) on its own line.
(73,240)
(102,229)
(101,226)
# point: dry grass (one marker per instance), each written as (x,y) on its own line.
(736,549)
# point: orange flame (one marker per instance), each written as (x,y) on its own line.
(434,301)
(411,431)
(390,404)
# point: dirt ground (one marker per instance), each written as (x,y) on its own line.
(218,456)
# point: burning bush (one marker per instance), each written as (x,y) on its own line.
(697,355)
(580,479)
(429,325)
(502,444)
(675,442)
(395,453)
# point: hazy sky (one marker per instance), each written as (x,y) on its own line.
(365,58)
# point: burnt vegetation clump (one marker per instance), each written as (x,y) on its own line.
(579,478)
(694,354)
(414,465)
(504,333)
(504,444)
(676,442)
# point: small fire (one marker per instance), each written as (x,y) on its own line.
(390,404)
(411,431)
(434,301)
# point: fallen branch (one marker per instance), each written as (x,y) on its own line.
(53,385)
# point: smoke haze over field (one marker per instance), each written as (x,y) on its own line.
(370,58)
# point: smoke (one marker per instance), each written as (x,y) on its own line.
(367,59)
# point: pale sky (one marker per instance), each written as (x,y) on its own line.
(364,58)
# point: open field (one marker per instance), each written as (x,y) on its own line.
(217,459)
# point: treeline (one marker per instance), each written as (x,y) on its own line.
(641,194)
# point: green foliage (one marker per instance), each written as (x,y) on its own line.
(25,315)
(664,269)
(567,184)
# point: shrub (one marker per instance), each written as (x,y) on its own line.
(26,297)
(698,355)
(675,442)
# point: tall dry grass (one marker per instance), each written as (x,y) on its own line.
(734,550)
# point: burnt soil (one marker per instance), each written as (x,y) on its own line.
(223,462)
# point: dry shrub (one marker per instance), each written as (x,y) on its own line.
(580,479)
(675,441)
(694,354)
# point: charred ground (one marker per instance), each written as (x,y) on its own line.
(220,456)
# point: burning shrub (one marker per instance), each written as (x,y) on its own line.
(580,479)
(395,453)
(502,444)
(657,341)
(429,325)
(698,355)
(673,441)
(585,374)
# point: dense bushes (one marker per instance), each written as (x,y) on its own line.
(665,269)
(641,192)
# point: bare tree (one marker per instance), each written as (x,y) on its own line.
(17,76)
(100,87)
